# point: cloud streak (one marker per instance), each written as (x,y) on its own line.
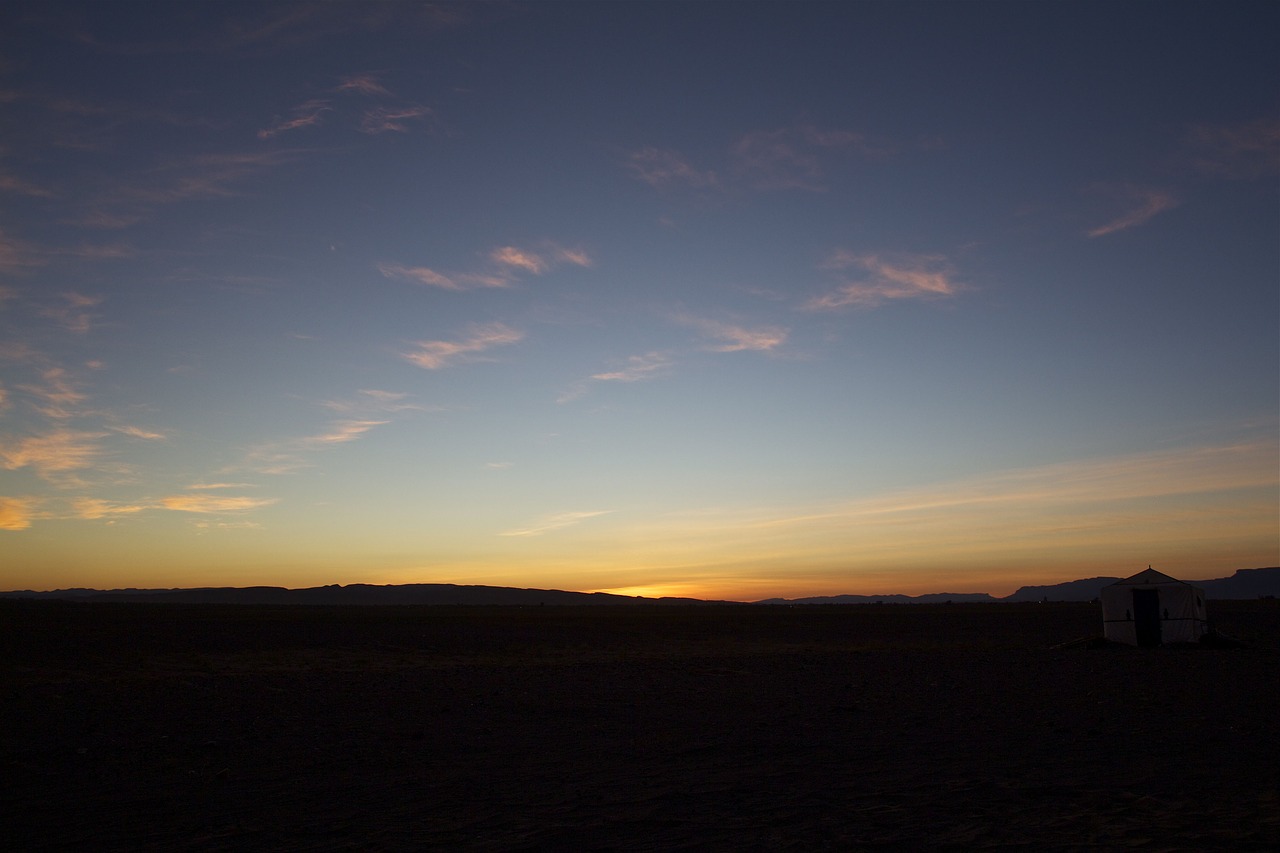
(735,338)
(304,115)
(55,455)
(903,277)
(558,521)
(1142,204)
(16,513)
(214,504)
(506,264)
(1242,151)
(436,355)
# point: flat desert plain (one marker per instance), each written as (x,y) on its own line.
(865,727)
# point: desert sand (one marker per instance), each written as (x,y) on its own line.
(892,727)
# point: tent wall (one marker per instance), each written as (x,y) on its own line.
(1181,612)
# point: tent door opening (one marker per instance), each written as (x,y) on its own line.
(1146,617)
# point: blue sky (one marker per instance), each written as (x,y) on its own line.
(719,299)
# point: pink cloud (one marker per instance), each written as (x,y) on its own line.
(905,277)
(422,275)
(659,168)
(303,115)
(385,119)
(510,256)
(1240,151)
(738,338)
(1142,204)
(435,355)
(363,84)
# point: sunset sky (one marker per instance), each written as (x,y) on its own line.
(729,300)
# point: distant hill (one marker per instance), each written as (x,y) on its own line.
(930,598)
(1245,583)
(425,593)
(1086,589)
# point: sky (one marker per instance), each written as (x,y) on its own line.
(727,300)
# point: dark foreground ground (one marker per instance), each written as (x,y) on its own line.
(868,727)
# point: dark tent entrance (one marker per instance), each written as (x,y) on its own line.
(1146,617)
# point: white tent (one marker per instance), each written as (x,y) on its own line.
(1151,608)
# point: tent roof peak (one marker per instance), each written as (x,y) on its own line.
(1146,576)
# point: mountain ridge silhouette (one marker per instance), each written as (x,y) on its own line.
(1244,583)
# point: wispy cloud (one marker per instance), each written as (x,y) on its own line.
(55,456)
(364,84)
(901,277)
(17,254)
(1247,150)
(510,256)
(139,432)
(374,400)
(639,368)
(435,355)
(789,158)
(737,338)
(1141,204)
(294,454)
(506,264)
(16,513)
(1092,512)
(203,503)
(202,176)
(58,397)
(558,521)
(198,487)
(660,167)
(95,508)
(794,157)
(341,432)
(73,312)
(304,115)
(18,186)
(431,278)
(392,119)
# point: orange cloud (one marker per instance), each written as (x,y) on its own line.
(434,355)
(906,277)
(94,508)
(54,454)
(202,503)
(16,513)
